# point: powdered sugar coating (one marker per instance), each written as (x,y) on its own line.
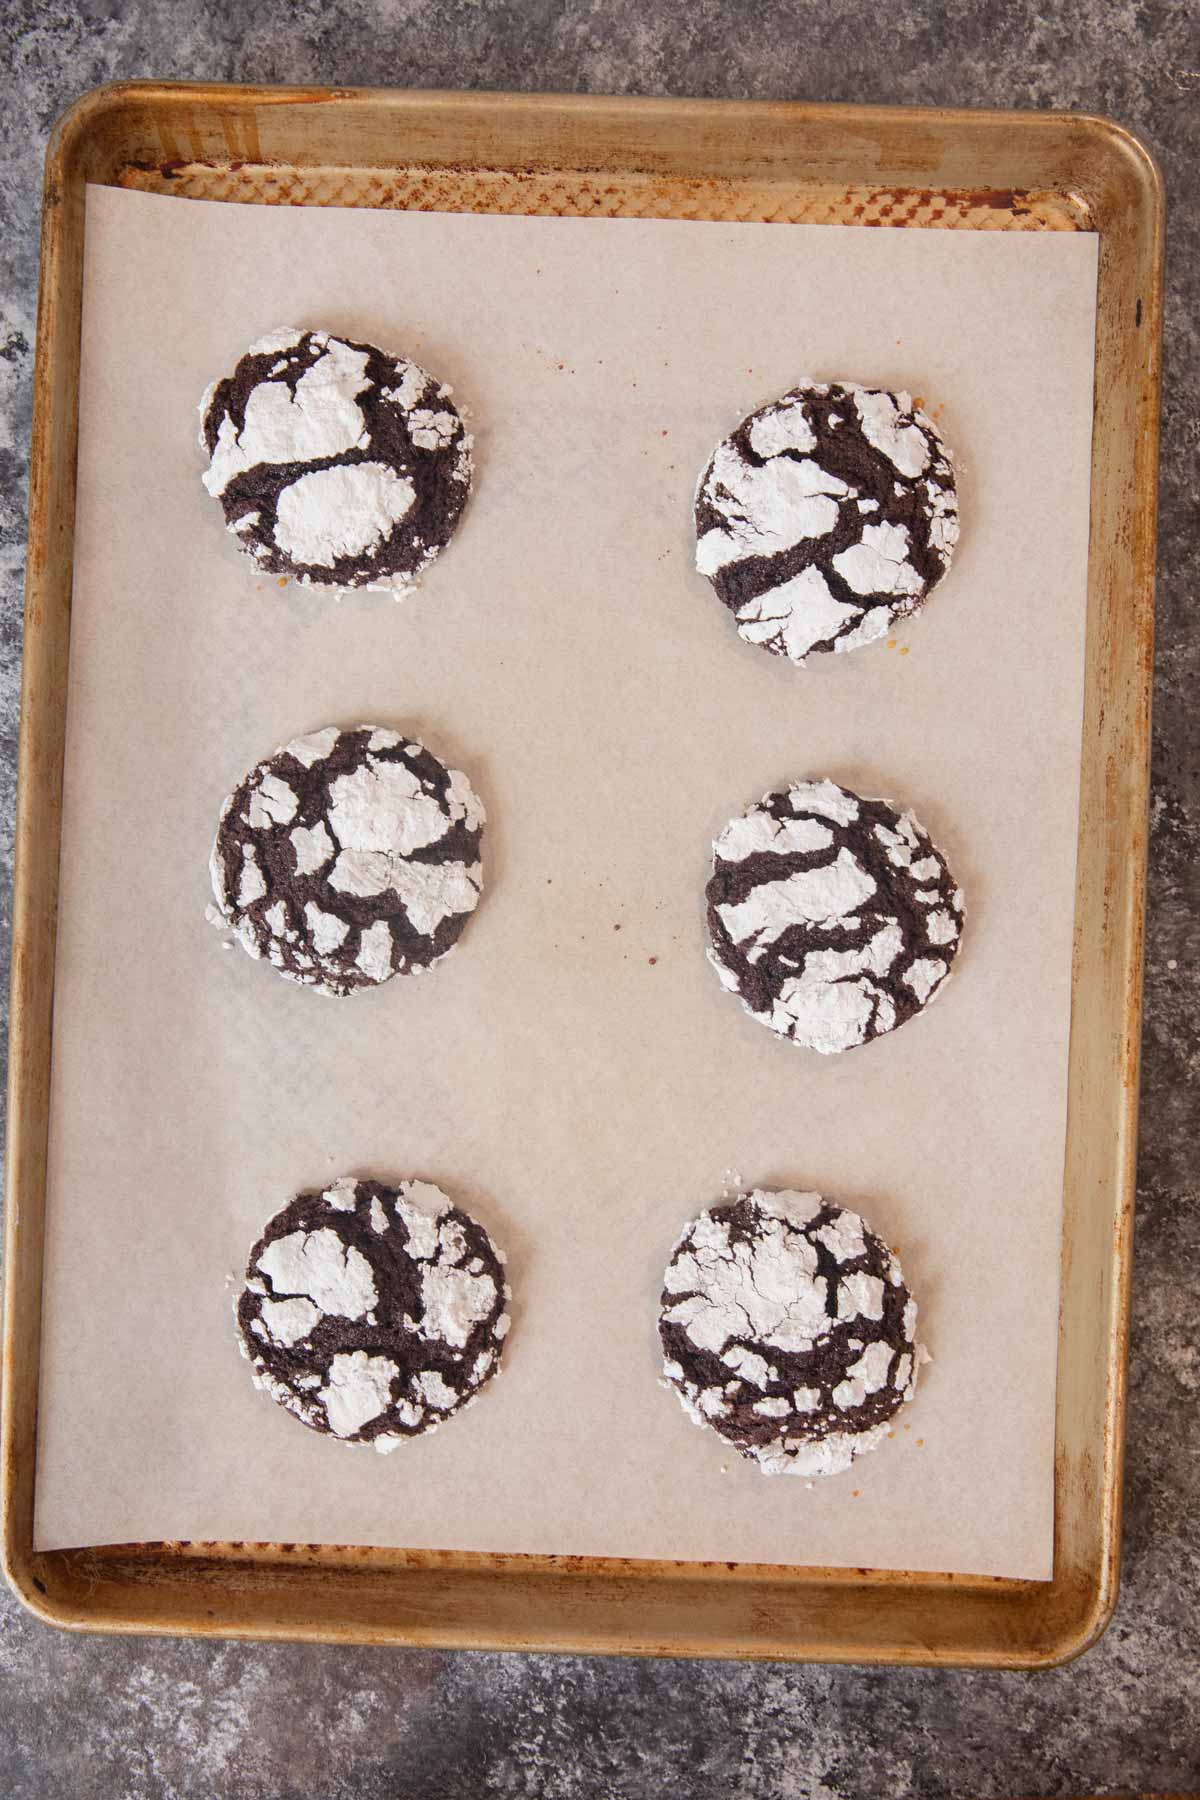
(349,857)
(759,1344)
(833,918)
(373,1313)
(826,517)
(335,463)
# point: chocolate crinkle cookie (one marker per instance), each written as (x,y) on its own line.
(832,918)
(348,857)
(826,517)
(373,1313)
(787,1328)
(335,463)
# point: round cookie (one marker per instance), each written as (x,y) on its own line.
(832,918)
(373,1312)
(786,1327)
(334,463)
(826,517)
(348,857)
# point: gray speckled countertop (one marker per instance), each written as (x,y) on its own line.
(119,1720)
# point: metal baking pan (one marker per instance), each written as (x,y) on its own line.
(891,168)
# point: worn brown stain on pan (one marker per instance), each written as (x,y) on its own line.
(577,194)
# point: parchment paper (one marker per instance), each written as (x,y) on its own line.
(573,1072)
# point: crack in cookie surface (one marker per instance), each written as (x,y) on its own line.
(826,517)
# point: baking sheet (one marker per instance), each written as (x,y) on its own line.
(580,1097)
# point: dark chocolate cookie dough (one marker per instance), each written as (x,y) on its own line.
(349,857)
(786,1327)
(373,1312)
(832,918)
(335,463)
(826,517)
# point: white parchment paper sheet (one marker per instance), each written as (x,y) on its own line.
(573,1073)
